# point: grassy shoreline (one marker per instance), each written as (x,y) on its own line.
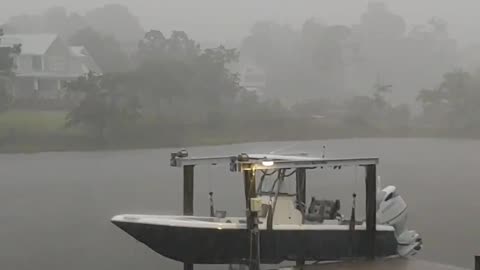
(45,131)
(33,148)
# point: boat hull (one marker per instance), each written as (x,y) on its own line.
(231,246)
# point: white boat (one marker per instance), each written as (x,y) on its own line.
(278,226)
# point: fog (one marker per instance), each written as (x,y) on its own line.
(382,68)
(389,78)
(218,20)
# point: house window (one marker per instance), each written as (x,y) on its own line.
(37,63)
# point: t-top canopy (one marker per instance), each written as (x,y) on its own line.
(267,161)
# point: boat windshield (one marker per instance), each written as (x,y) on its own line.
(269,184)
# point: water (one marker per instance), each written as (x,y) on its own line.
(55,207)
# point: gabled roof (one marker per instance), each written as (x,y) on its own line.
(78,51)
(32,44)
(87,63)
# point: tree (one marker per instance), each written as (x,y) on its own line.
(458,95)
(106,104)
(58,20)
(325,45)
(376,113)
(178,46)
(379,23)
(117,21)
(7,64)
(7,54)
(176,66)
(106,50)
(178,80)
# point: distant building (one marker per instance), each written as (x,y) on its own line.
(254,80)
(45,62)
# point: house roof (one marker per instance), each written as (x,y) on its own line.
(78,51)
(87,63)
(33,44)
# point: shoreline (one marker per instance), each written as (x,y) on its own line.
(35,149)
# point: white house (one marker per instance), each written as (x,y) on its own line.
(44,63)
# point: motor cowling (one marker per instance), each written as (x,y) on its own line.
(392,210)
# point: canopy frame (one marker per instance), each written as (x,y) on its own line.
(249,163)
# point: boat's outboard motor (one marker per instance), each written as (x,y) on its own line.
(392,210)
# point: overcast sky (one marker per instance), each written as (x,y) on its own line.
(223,20)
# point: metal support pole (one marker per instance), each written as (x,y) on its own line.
(188,175)
(254,243)
(301,179)
(252,220)
(188,190)
(250,191)
(371,208)
(477,262)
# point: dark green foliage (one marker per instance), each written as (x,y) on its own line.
(105,105)
(7,65)
(176,87)
(155,46)
(375,114)
(5,93)
(454,103)
(331,61)
(7,56)
(176,70)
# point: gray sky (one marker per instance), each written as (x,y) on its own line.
(228,20)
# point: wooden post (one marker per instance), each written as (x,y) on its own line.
(188,175)
(371,208)
(477,262)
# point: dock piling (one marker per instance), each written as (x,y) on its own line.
(371,208)
(188,175)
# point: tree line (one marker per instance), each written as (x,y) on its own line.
(321,81)
(174,87)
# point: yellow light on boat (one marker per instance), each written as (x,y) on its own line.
(268,163)
(219,228)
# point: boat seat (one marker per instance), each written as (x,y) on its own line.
(320,210)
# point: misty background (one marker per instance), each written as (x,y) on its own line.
(331,68)
(181,73)
(219,21)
